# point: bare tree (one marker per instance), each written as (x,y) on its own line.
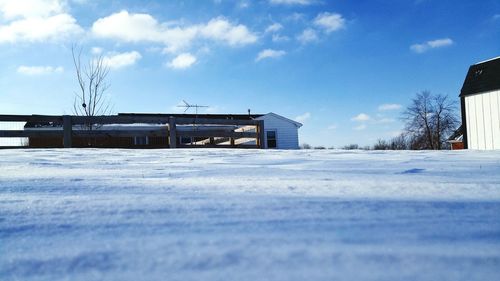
(429,119)
(350,146)
(381,145)
(90,100)
(399,143)
(444,118)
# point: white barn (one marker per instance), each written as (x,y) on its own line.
(480,106)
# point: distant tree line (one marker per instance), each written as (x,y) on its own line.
(429,120)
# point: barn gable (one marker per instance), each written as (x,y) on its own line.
(482,77)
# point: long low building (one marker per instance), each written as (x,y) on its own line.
(279,132)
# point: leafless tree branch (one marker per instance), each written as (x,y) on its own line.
(90,100)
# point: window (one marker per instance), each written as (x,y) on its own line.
(271,139)
(141,140)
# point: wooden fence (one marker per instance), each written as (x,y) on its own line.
(169,129)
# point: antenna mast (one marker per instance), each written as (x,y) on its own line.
(188,106)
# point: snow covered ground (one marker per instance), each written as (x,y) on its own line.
(84,214)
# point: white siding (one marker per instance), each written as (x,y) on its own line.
(483,120)
(287,136)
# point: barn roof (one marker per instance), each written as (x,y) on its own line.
(482,77)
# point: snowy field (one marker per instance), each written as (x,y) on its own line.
(249,215)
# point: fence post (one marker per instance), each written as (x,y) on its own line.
(260,131)
(172,130)
(67,127)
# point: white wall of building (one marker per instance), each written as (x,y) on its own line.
(483,120)
(287,135)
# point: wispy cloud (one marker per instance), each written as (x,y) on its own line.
(120,60)
(280,38)
(361,117)
(385,120)
(303,117)
(308,35)
(389,106)
(275,27)
(96,50)
(269,53)
(360,127)
(332,127)
(243,5)
(434,44)
(329,22)
(296,17)
(182,61)
(291,2)
(39,70)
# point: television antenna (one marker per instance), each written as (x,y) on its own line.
(187,106)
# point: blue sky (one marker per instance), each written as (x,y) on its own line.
(345,69)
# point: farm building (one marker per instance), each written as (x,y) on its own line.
(134,130)
(480,108)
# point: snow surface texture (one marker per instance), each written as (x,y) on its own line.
(85,214)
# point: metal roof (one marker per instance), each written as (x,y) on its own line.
(482,77)
(206,116)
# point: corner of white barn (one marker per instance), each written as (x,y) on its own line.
(280,132)
(480,106)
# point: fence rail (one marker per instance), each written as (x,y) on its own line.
(170,130)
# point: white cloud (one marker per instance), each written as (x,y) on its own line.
(222,30)
(360,127)
(296,17)
(96,50)
(39,70)
(144,28)
(291,2)
(182,61)
(119,60)
(329,22)
(243,5)
(275,27)
(389,106)
(308,35)
(269,53)
(139,28)
(361,117)
(36,20)
(438,43)
(279,38)
(40,29)
(12,9)
(303,117)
